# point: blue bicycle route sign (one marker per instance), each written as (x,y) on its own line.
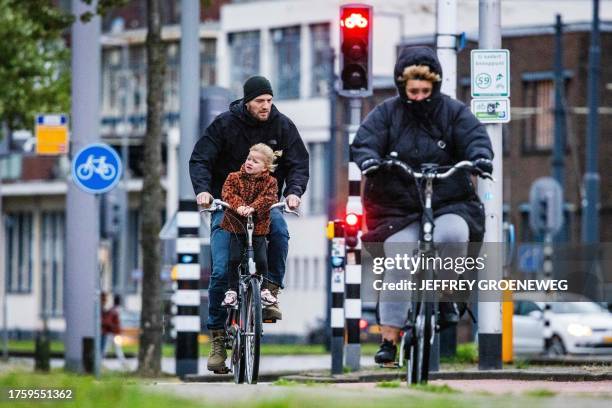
(96,168)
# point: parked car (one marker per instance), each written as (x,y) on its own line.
(577,328)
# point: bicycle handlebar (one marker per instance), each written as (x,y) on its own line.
(395,162)
(219,204)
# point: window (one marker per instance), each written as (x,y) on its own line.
(208,62)
(52,248)
(19,252)
(317,185)
(10,166)
(244,58)
(171,88)
(539,125)
(320,59)
(286,65)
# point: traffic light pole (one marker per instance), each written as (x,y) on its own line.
(445,342)
(352,306)
(187,295)
(491,194)
(590,217)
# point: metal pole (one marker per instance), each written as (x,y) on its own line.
(82,211)
(123,263)
(187,297)
(558,163)
(352,301)
(331,181)
(559,145)
(590,218)
(491,194)
(445,343)
(4,278)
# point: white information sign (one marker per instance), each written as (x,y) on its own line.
(490,73)
(493,110)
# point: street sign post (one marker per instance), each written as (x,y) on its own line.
(490,73)
(96,168)
(494,110)
(51,132)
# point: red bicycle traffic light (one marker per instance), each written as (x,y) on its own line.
(356,50)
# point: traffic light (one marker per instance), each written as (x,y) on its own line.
(356,50)
(546,206)
(352,226)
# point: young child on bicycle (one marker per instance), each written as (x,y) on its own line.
(252,190)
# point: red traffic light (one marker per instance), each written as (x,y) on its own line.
(351,219)
(356,50)
(354,19)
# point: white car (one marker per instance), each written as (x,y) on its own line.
(575,327)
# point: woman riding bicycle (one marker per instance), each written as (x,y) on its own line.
(423,126)
(250,191)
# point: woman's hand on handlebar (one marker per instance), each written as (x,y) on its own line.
(370,166)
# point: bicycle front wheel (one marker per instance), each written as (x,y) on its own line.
(238,359)
(253,331)
(419,349)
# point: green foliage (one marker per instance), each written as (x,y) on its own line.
(436,389)
(521,364)
(281,382)
(88,392)
(467,353)
(34,58)
(34,62)
(389,384)
(541,393)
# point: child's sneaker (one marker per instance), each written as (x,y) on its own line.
(267,298)
(231,299)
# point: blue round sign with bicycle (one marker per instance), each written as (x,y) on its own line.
(96,168)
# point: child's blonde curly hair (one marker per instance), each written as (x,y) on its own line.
(268,153)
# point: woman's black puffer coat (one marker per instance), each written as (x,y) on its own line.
(437,130)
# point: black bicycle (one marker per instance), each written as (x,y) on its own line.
(243,327)
(418,335)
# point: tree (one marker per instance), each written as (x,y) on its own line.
(149,352)
(34,58)
(34,61)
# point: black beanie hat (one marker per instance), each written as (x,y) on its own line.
(255,86)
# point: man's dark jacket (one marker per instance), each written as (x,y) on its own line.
(225,146)
(438,130)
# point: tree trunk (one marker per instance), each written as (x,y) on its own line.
(149,352)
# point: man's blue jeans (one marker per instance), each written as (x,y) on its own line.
(278,246)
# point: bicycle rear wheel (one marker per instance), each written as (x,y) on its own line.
(252,333)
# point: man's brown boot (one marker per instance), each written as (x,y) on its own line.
(272,312)
(218,354)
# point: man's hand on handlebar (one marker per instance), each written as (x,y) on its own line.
(204,199)
(293,201)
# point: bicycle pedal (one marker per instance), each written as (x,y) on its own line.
(390,365)
(269,321)
(225,370)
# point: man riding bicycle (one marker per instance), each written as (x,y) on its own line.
(223,149)
(423,126)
